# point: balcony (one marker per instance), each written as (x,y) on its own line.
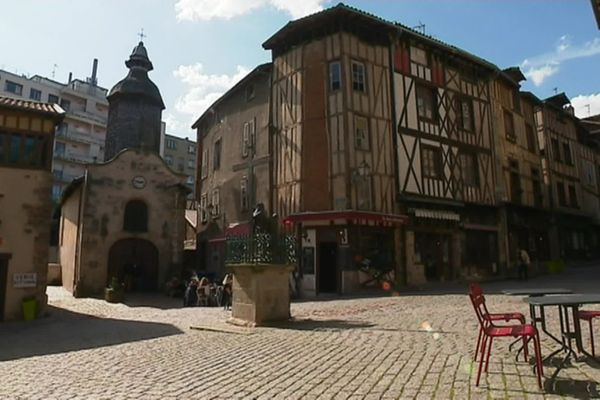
(76,158)
(86,116)
(77,136)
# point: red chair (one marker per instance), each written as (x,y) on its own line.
(589,316)
(475,290)
(491,331)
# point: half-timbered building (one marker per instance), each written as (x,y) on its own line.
(444,144)
(233,171)
(524,218)
(332,145)
(557,130)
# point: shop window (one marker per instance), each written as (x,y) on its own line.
(136,216)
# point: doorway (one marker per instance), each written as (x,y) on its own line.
(433,251)
(3,283)
(134,262)
(327,273)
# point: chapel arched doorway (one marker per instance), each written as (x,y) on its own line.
(134,262)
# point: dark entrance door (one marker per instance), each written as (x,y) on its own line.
(327,268)
(134,262)
(3,282)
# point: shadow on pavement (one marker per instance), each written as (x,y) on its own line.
(316,325)
(152,300)
(64,331)
(579,389)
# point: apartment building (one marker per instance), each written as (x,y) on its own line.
(180,155)
(80,138)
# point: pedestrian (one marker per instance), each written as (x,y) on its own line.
(524,262)
(227,291)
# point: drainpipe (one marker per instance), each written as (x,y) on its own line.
(78,243)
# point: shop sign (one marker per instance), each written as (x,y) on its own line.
(25,280)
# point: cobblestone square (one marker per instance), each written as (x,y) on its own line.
(418,345)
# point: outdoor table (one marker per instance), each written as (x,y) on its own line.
(564,303)
(541,318)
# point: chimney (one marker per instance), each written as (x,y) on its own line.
(94,81)
(70,78)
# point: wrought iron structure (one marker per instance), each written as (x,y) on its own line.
(261,248)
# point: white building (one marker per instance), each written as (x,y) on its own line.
(80,138)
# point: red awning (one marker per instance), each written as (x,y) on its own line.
(241,229)
(357,217)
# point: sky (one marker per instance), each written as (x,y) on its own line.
(200,48)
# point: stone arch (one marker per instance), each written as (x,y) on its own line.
(134,262)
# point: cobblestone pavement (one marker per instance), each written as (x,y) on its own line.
(416,346)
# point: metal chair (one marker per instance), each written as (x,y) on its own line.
(589,315)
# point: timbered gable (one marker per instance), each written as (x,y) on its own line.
(439,104)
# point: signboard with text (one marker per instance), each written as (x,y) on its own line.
(25,280)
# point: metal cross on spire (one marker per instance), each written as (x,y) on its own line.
(141,35)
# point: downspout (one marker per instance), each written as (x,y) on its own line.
(79,241)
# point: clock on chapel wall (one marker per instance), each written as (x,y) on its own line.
(138,182)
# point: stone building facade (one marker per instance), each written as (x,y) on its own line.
(125,216)
(27,131)
(233,165)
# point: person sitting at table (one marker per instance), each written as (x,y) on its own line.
(524,262)
(203,291)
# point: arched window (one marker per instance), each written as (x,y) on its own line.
(136,216)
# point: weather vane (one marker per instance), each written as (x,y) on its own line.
(141,35)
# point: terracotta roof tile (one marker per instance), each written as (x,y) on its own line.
(35,106)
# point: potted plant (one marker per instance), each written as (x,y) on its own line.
(115,292)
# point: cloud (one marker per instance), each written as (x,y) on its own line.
(581,103)
(201,90)
(204,10)
(541,67)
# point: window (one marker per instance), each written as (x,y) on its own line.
(530,136)
(431,161)
(250,92)
(509,126)
(204,165)
(335,75)
(573,197)
(191,163)
(358,77)
(418,56)
(538,197)
(217,155)
(361,133)
(567,151)
(171,144)
(244,194)
(515,182)
(470,169)
(53,99)
(248,138)
(190,180)
(169,160)
(12,87)
(560,192)
(465,114)
(203,211)
(555,150)
(363,192)
(426,103)
(136,216)
(191,149)
(65,104)
(35,94)
(215,203)
(516,100)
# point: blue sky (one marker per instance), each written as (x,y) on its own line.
(201,47)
